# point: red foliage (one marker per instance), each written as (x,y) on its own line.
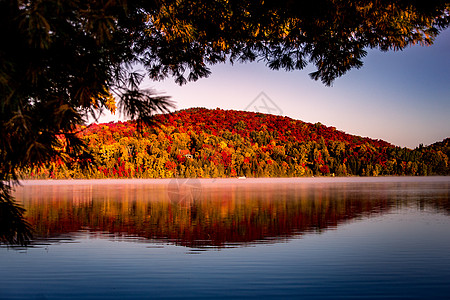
(325,170)
(216,135)
(170,165)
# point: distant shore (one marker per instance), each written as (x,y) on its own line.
(237,181)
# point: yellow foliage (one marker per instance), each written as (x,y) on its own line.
(106,99)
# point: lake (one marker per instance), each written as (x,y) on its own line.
(308,238)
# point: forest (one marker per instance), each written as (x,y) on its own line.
(205,143)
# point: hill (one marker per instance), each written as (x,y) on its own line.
(200,142)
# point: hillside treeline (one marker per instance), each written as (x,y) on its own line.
(206,143)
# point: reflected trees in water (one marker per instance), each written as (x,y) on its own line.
(214,216)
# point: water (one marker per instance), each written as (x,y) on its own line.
(311,238)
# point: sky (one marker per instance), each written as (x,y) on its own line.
(401,97)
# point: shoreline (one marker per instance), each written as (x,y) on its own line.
(237,181)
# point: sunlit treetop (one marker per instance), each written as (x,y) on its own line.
(186,36)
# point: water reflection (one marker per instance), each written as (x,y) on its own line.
(218,213)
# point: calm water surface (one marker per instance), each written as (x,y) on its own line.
(325,238)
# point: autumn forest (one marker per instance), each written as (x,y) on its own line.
(206,143)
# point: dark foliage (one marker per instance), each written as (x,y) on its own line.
(13,228)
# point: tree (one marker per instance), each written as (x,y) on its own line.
(62,61)
(331,34)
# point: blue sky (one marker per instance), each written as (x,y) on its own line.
(401,97)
